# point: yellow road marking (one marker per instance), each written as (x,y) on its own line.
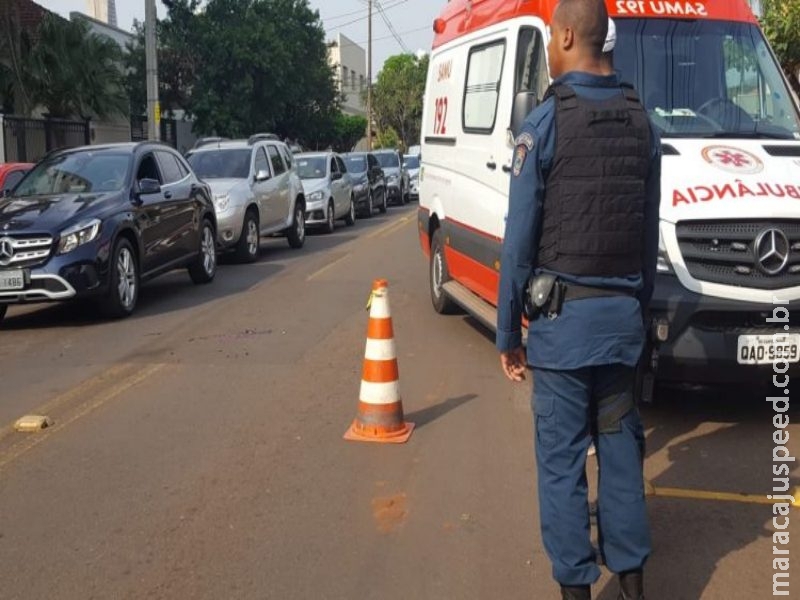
(665,492)
(327,267)
(387,228)
(125,384)
(83,389)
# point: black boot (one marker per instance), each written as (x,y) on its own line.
(576,592)
(631,585)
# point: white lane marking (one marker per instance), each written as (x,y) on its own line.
(380,393)
(380,350)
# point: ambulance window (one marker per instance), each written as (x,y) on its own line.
(484,73)
(532,74)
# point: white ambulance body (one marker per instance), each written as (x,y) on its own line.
(730,213)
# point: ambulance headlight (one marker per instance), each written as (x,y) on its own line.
(663,264)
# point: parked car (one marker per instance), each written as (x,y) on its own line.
(411,166)
(369,183)
(328,189)
(11,174)
(256,192)
(396,179)
(98,221)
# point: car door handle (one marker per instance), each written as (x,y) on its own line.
(491,165)
(506,169)
(168,195)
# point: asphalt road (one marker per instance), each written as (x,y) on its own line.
(197,449)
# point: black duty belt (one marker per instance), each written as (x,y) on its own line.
(546,294)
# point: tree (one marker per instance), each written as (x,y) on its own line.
(781,22)
(76,73)
(397,97)
(347,131)
(388,138)
(264,68)
(15,46)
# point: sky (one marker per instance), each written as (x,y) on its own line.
(411,19)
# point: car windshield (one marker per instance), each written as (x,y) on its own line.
(706,78)
(312,167)
(221,164)
(76,173)
(411,162)
(356,164)
(388,160)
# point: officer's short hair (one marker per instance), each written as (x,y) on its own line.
(588,19)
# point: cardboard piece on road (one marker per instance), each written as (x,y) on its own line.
(30,423)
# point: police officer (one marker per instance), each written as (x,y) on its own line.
(582,230)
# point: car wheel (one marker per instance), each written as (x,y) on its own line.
(439,275)
(330,219)
(370,205)
(204,267)
(350,220)
(297,232)
(249,242)
(3,311)
(383,204)
(123,282)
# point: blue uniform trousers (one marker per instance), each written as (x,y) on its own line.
(568,407)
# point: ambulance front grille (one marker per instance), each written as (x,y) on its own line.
(724,252)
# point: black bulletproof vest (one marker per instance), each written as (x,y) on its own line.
(595,193)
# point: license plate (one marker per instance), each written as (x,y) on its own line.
(11,280)
(767,349)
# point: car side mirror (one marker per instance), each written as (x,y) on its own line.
(149,186)
(262,175)
(524,103)
(336,176)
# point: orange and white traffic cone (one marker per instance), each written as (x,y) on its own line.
(380,409)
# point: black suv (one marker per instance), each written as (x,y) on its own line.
(369,183)
(98,221)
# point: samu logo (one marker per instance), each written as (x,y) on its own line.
(733,160)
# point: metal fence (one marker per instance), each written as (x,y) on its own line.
(28,140)
(169,130)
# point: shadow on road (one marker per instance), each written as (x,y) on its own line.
(427,415)
(175,292)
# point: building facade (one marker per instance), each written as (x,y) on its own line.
(349,61)
(102,10)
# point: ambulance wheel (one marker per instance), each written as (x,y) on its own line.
(439,275)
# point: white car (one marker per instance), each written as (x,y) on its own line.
(328,189)
(256,191)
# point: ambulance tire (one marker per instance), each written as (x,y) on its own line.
(438,276)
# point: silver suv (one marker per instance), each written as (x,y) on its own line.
(256,192)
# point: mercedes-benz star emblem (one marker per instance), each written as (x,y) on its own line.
(6,251)
(772,251)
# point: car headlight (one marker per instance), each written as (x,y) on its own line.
(316,196)
(663,264)
(392,178)
(222,202)
(78,235)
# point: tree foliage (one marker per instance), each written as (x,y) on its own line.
(397,97)
(781,22)
(345,132)
(69,72)
(244,66)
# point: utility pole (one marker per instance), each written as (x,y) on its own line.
(369,80)
(151,58)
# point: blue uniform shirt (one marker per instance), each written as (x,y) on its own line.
(589,332)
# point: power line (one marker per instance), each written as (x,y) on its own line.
(391,27)
(364,18)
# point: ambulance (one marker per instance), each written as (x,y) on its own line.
(730,212)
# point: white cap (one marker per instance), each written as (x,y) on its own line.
(611,38)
